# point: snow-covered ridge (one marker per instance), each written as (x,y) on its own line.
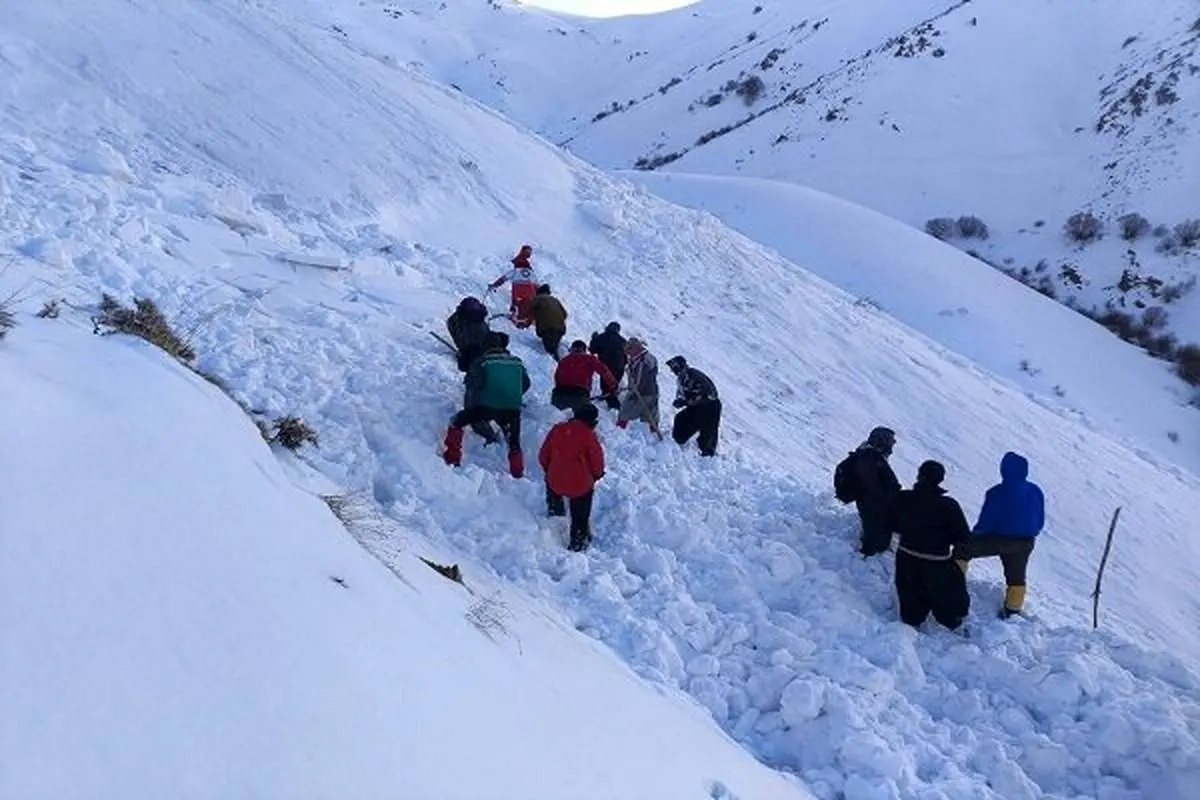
(733,580)
(917,110)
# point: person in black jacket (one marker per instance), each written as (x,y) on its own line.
(931,524)
(877,485)
(468,329)
(700,407)
(609,347)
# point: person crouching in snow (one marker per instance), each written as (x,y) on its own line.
(524,287)
(573,379)
(496,384)
(931,525)
(549,319)
(1013,514)
(573,460)
(641,396)
(699,407)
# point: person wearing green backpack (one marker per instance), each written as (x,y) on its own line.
(496,385)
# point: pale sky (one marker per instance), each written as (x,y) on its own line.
(608,8)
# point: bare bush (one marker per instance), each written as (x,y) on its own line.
(292,433)
(1188,233)
(1083,227)
(750,89)
(491,617)
(7,321)
(972,227)
(1133,226)
(1174,292)
(145,321)
(941,228)
(1187,363)
(49,310)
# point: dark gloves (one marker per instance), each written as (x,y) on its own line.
(612,401)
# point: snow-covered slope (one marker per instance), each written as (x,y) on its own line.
(1045,348)
(917,110)
(180,620)
(199,153)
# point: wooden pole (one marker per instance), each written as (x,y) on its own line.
(1112,527)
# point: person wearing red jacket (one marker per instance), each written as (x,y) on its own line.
(573,379)
(573,461)
(524,287)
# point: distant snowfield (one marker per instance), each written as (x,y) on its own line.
(211,150)
(178,620)
(956,300)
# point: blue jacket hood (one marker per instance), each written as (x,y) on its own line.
(1014,468)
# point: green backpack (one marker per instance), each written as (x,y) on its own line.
(503,384)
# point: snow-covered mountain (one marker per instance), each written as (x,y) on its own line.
(307,208)
(917,110)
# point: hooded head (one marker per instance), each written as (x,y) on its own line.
(1013,468)
(931,473)
(882,439)
(676,364)
(612,327)
(587,414)
(579,346)
(497,340)
(544,289)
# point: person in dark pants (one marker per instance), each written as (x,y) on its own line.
(549,319)
(931,525)
(496,385)
(877,486)
(1013,514)
(609,347)
(573,461)
(574,376)
(699,404)
(468,329)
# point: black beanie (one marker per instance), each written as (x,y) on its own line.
(931,473)
(588,413)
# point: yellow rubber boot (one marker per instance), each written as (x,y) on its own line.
(1014,600)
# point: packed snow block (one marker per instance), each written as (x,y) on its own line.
(312,260)
(101,159)
(608,217)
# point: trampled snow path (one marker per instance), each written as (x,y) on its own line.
(178,620)
(729,578)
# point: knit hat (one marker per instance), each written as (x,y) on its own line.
(634,345)
(588,413)
(579,346)
(931,473)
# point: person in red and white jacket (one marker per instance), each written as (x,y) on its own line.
(573,460)
(574,376)
(524,287)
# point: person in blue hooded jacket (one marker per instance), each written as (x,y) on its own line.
(1013,514)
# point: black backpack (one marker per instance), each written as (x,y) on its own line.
(845,479)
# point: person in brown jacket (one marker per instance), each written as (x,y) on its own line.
(549,319)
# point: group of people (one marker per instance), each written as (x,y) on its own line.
(571,456)
(936,544)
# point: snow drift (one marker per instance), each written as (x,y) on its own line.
(180,620)
(732,579)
